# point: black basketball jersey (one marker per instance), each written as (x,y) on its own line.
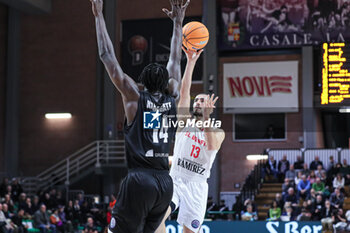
(149,136)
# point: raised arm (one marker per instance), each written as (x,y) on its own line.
(185,96)
(214,136)
(177,15)
(125,85)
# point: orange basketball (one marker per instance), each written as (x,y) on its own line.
(195,36)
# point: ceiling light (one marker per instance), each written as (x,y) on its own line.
(58,115)
(257,157)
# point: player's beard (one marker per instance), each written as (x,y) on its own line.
(197,114)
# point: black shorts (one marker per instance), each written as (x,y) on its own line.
(142,202)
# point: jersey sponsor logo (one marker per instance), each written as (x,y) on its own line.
(152,120)
(163,108)
(195,223)
(191,166)
(112,224)
(195,138)
(150,153)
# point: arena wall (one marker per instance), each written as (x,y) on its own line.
(58,74)
(3,46)
(234,165)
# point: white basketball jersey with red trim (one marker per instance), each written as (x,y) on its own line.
(192,160)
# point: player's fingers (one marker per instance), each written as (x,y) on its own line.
(216,99)
(199,52)
(186,4)
(211,98)
(166,11)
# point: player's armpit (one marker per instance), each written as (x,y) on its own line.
(219,138)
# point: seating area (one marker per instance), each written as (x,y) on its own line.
(303,185)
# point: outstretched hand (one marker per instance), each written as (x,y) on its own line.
(97,7)
(209,105)
(192,56)
(178,9)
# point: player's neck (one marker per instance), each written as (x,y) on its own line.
(157,95)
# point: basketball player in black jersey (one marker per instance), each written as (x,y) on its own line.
(146,191)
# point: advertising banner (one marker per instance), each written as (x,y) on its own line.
(260,87)
(251,24)
(250,227)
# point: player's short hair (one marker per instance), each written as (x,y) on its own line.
(155,77)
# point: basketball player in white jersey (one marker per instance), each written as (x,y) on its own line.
(194,153)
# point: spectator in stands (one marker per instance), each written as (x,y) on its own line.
(80,198)
(305,215)
(291,197)
(326,216)
(339,182)
(288,213)
(331,163)
(9,191)
(16,189)
(9,202)
(42,220)
(274,211)
(345,169)
(22,200)
(337,199)
(55,220)
(223,208)
(279,200)
(317,208)
(5,226)
(28,207)
(3,186)
(48,201)
(306,170)
(291,173)
(69,210)
(319,171)
(85,210)
(339,220)
(68,225)
(315,163)
(53,198)
(285,186)
(298,165)
(303,188)
(312,197)
(298,178)
(36,203)
(318,186)
(18,221)
(271,167)
(283,167)
(5,210)
(249,215)
(327,182)
(77,211)
(90,226)
(335,171)
(249,202)
(312,177)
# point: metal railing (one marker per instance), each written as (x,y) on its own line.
(251,185)
(95,154)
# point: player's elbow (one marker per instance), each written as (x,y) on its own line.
(104,55)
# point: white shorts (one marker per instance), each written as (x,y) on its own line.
(191,199)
